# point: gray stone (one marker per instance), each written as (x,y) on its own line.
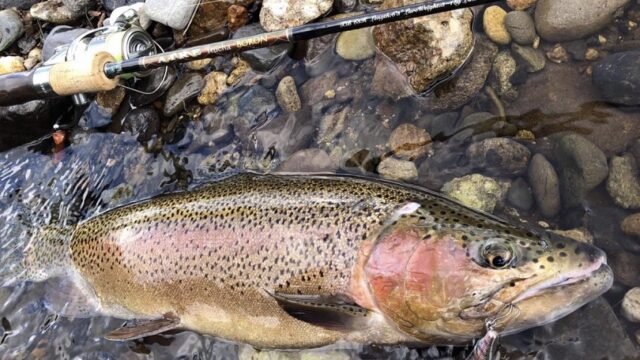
(499,156)
(175,14)
(396,169)
(618,78)
(583,167)
(61,11)
(521,27)
(356,44)
(566,20)
(261,59)
(519,195)
(283,14)
(284,135)
(186,87)
(533,59)
(623,183)
(545,185)
(20,4)
(11,29)
(59,36)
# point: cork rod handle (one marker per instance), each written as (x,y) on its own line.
(85,75)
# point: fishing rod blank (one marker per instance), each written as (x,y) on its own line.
(100,71)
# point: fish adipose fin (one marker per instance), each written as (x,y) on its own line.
(332,313)
(144,328)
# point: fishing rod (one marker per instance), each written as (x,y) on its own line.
(100,71)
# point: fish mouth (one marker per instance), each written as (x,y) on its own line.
(569,279)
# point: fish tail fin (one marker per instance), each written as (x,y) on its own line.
(44,255)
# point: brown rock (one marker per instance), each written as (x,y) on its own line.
(237,17)
(631,225)
(215,85)
(520,4)
(287,95)
(410,142)
(626,267)
(493,22)
(111,100)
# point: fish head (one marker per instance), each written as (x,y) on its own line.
(441,273)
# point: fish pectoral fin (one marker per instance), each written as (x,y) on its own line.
(329,312)
(144,328)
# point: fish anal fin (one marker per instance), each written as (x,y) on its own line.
(328,312)
(144,328)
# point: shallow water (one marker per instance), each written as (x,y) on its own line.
(100,168)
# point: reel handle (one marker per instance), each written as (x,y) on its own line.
(68,78)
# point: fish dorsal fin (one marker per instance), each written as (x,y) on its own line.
(67,297)
(329,312)
(144,328)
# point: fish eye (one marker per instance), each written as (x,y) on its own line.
(498,255)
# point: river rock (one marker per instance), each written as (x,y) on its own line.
(426,48)
(282,14)
(521,27)
(494,25)
(520,4)
(11,29)
(618,77)
(110,101)
(566,20)
(20,4)
(631,225)
(215,84)
(466,84)
(285,135)
(60,11)
(631,305)
(545,185)
(624,182)
(11,64)
(186,87)
(356,44)
(287,95)
(499,156)
(626,267)
(142,122)
(519,195)
(114,4)
(476,191)
(396,169)
(503,69)
(175,14)
(265,58)
(583,167)
(409,142)
(308,161)
(533,59)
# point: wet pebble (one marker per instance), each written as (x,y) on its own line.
(476,191)
(396,169)
(287,95)
(631,305)
(33,58)
(545,185)
(284,135)
(631,225)
(110,101)
(240,69)
(624,182)
(410,142)
(153,86)
(282,14)
(521,27)
(186,87)
(331,124)
(142,122)
(626,267)
(583,167)
(215,84)
(11,64)
(11,29)
(265,58)
(533,59)
(618,78)
(566,20)
(499,156)
(308,161)
(494,23)
(356,44)
(519,195)
(503,69)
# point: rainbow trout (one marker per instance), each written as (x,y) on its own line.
(306,261)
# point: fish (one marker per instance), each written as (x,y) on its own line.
(304,261)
